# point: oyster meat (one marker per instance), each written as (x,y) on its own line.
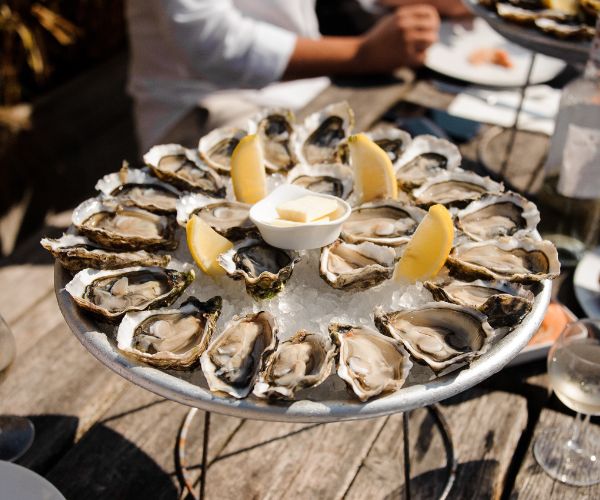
(494,216)
(216,147)
(334,179)
(356,267)
(391,139)
(170,338)
(264,269)
(127,228)
(112,293)
(275,127)
(322,132)
(78,252)
(369,363)
(383,222)
(232,360)
(229,218)
(522,260)
(301,362)
(438,333)
(183,169)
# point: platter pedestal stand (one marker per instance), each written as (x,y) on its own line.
(434,411)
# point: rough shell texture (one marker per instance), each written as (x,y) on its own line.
(334,179)
(170,338)
(303,361)
(232,360)
(275,127)
(563,30)
(391,139)
(216,147)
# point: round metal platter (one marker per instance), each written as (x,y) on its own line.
(572,51)
(326,403)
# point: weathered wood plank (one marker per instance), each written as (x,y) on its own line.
(533,482)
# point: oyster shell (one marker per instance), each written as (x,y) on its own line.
(334,179)
(232,359)
(275,127)
(392,140)
(183,169)
(264,269)
(78,252)
(425,157)
(522,260)
(137,188)
(455,189)
(382,222)
(493,216)
(356,267)
(127,228)
(216,147)
(229,218)
(322,132)
(170,338)
(565,30)
(303,361)
(112,293)
(369,363)
(438,333)
(516,14)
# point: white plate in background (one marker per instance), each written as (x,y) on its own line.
(450,56)
(587,283)
(19,483)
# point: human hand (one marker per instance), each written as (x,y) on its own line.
(399,39)
(446,8)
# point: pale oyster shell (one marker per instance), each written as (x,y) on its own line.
(233,358)
(170,338)
(112,293)
(334,179)
(303,361)
(275,128)
(369,363)
(392,140)
(564,30)
(216,147)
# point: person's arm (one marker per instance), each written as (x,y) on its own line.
(446,8)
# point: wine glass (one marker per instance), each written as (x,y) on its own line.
(16,433)
(572,455)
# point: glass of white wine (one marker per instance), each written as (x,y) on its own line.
(572,455)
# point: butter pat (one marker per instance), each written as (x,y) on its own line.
(306,208)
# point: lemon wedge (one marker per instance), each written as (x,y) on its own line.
(428,249)
(569,7)
(206,245)
(248,174)
(373,171)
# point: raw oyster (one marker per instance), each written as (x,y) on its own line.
(455,189)
(494,216)
(322,132)
(516,14)
(334,179)
(135,187)
(426,157)
(356,267)
(229,218)
(232,359)
(216,147)
(370,363)
(503,302)
(565,30)
(438,333)
(382,222)
(391,139)
(303,361)
(114,292)
(275,127)
(522,260)
(170,338)
(181,167)
(127,228)
(78,252)
(264,269)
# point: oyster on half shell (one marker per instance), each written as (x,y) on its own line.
(216,147)
(275,127)
(369,363)
(392,140)
(334,179)
(114,292)
(232,359)
(438,333)
(305,360)
(170,338)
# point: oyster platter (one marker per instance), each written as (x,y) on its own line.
(342,329)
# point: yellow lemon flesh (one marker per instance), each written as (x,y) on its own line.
(206,245)
(428,249)
(569,7)
(248,174)
(374,175)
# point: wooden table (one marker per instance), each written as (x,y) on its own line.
(98,436)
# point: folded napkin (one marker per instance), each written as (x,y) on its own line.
(499,107)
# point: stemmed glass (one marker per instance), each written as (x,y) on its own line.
(572,455)
(16,433)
